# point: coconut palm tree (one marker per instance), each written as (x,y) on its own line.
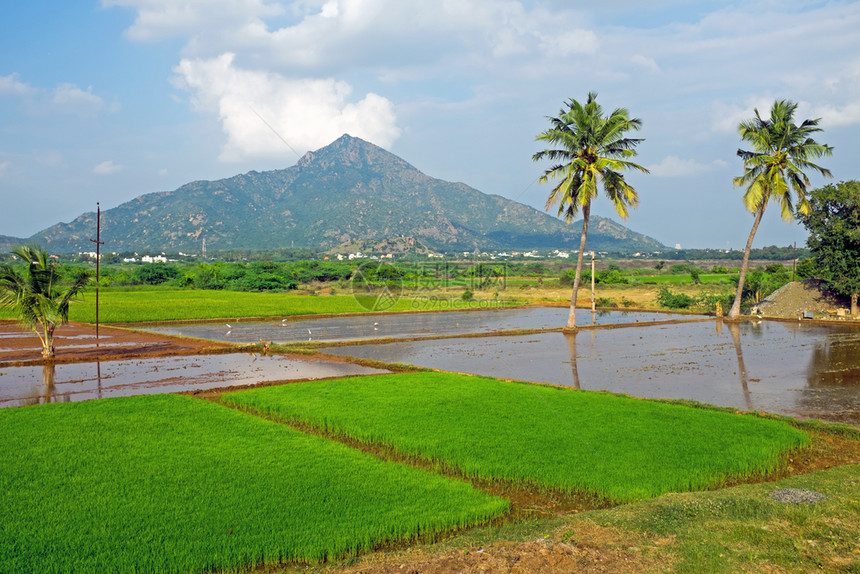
(38,294)
(591,150)
(781,151)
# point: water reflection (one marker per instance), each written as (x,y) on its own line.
(47,383)
(835,362)
(735,331)
(571,345)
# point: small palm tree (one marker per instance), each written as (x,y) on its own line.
(781,151)
(592,150)
(38,295)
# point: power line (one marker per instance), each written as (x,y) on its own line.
(274,131)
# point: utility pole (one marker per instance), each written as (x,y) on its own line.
(794,263)
(592,283)
(98,243)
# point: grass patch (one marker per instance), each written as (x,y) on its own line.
(612,446)
(168,483)
(742,530)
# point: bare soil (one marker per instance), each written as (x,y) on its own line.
(595,549)
(77,342)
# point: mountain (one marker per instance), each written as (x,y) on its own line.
(7,243)
(349,191)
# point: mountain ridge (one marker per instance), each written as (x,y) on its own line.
(350,190)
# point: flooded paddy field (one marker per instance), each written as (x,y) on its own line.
(78,341)
(404,325)
(802,370)
(64,382)
(798,369)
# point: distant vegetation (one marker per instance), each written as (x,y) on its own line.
(190,289)
(833,221)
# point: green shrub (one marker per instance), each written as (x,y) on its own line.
(611,277)
(671,300)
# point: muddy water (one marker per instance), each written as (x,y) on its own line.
(66,382)
(404,325)
(795,369)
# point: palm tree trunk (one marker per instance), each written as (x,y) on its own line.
(48,343)
(735,311)
(571,318)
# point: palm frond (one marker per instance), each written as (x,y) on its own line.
(592,150)
(781,151)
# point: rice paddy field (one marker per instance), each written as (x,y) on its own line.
(170,483)
(610,446)
(152,305)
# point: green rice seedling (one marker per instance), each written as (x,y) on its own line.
(169,483)
(608,445)
(148,305)
(145,305)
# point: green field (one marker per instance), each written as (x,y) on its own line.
(169,483)
(145,305)
(680,279)
(608,445)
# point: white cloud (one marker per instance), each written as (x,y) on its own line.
(645,62)
(338,33)
(71,98)
(163,18)
(726,117)
(10,86)
(107,168)
(832,116)
(4,167)
(65,94)
(673,166)
(306,113)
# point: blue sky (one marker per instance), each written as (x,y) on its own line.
(104,101)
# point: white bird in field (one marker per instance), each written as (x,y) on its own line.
(229,326)
(309,331)
(283,320)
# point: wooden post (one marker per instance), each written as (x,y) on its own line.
(794,262)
